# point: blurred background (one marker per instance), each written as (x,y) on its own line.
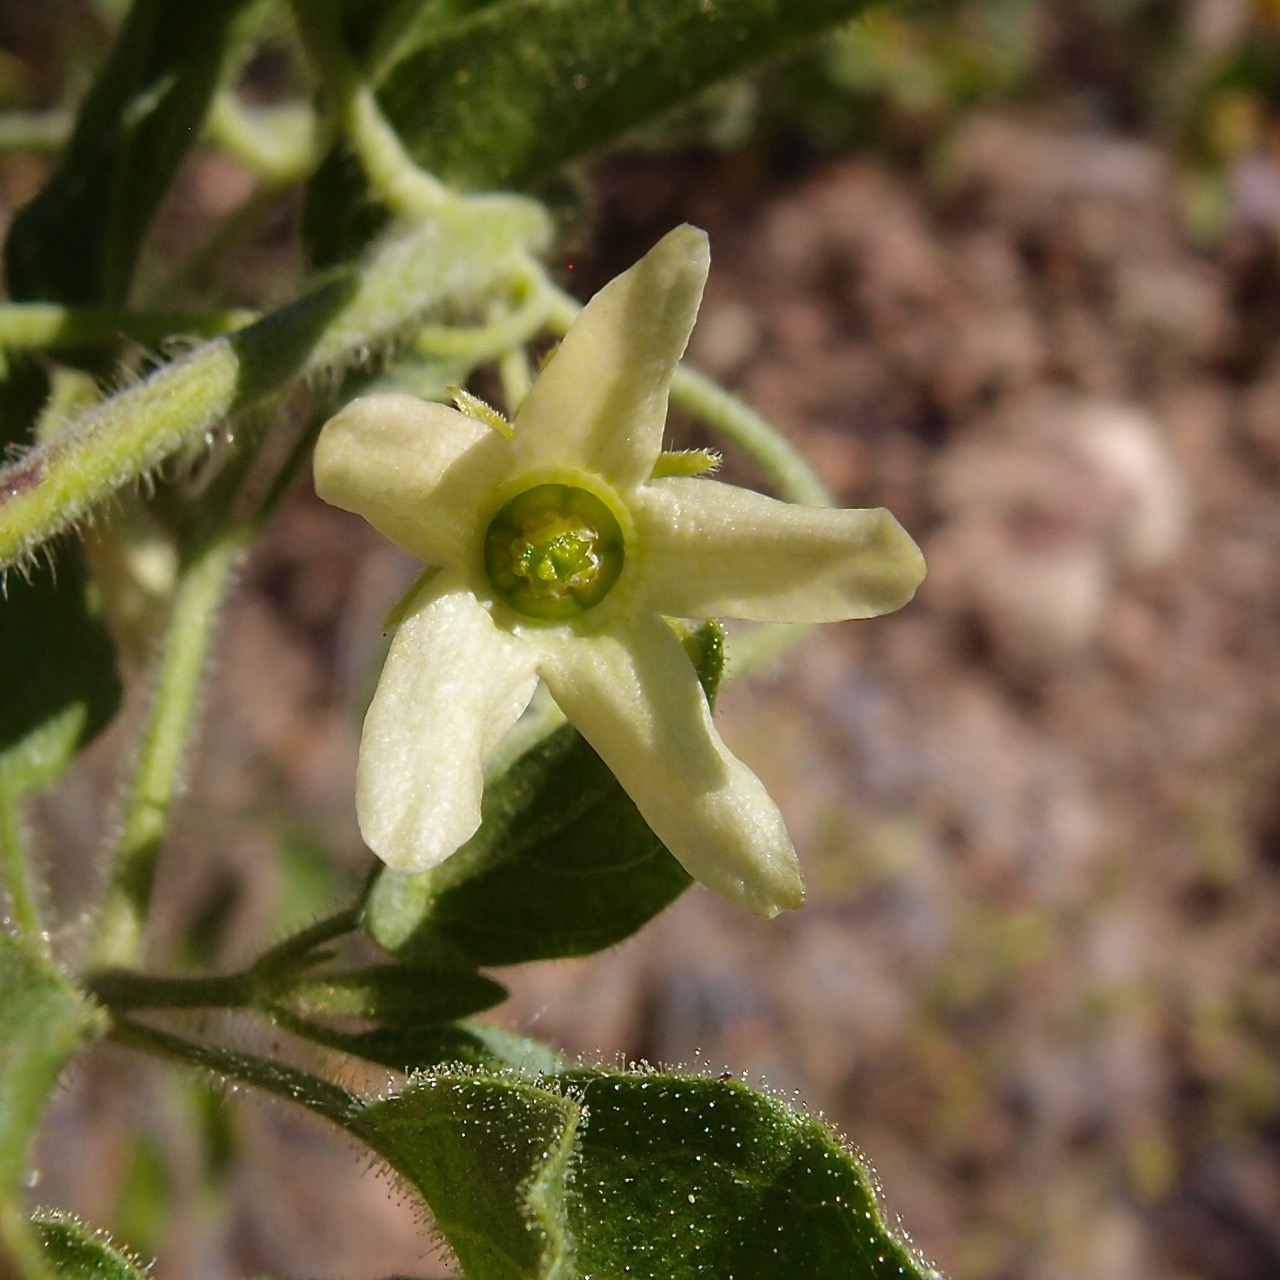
(1012,269)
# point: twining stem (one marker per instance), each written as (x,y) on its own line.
(408,191)
(46,326)
(732,418)
(203,579)
(279,144)
(15,867)
(532,298)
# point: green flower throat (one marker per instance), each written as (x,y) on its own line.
(553,552)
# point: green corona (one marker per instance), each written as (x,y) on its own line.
(553,552)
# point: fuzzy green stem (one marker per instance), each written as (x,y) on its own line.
(43,326)
(471,246)
(724,413)
(125,989)
(245,1068)
(202,584)
(280,144)
(15,866)
(408,191)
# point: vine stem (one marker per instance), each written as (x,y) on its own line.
(124,989)
(286,1082)
(408,190)
(203,579)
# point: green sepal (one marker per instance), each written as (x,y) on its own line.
(76,1252)
(562,865)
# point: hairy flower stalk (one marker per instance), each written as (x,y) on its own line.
(562,550)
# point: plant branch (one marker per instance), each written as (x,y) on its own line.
(245,1068)
(408,191)
(203,579)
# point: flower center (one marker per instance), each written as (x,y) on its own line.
(553,552)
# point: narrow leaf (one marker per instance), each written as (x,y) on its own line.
(78,240)
(459,1044)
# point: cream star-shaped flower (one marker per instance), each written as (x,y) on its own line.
(561,556)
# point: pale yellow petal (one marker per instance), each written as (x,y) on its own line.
(635,697)
(710,550)
(419,472)
(452,686)
(601,403)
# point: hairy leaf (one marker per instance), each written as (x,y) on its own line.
(683,1176)
(78,1253)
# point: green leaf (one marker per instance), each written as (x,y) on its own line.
(58,679)
(77,1253)
(684,1176)
(651,1176)
(562,865)
(389,994)
(648,1175)
(505,96)
(42,1021)
(483,1151)
(78,240)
